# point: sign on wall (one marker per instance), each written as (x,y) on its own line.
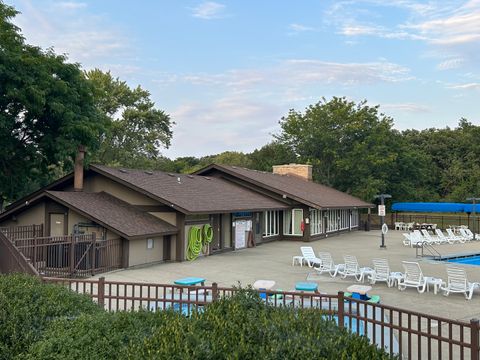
(241,227)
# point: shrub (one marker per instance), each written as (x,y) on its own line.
(100,336)
(244,328)
(27,306)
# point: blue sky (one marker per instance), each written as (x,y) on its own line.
(227,71)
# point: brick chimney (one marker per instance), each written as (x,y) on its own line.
(78,172)
(299,170)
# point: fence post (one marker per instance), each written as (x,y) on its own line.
(72,254)
(101,292)
(474,327)
(214,291)
(94,252)
(34,250)
(341,309)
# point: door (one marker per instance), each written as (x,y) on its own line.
(57,224)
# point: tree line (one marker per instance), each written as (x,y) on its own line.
(49,106)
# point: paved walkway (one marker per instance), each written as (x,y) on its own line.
(274,261)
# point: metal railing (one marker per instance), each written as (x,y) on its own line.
(423,246)
(406,333)
(22,232)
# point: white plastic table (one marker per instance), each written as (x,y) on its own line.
(436,282)
(263,284)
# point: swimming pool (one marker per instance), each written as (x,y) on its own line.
(473,259)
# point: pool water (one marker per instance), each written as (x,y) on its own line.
(353,328)
(468,260)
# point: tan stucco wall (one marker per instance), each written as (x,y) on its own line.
(32,215)
(139,254)
(75,218)
(169,217)
(97,183)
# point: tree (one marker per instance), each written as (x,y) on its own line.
(137,130)
(274,153)
(46,111)
(350,145)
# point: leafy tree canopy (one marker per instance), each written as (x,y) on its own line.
(137,130)
(46,111)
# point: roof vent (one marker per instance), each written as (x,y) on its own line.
(149,172)
(234,167)
(179,180)
(122,171)
(172,175)
(207,178)
(190,176)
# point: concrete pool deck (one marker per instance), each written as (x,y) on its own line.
(273,261)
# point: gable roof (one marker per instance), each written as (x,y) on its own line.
(306,192)
(113,213)
(191,193)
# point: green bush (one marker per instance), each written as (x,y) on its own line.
(39,321)
(27,306)
(100,336)
(244,328)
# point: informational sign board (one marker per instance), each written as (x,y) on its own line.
(384,229)
(240,233)
(381,210)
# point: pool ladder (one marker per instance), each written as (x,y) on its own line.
(425,246)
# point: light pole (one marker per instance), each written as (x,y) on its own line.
(474,200)
(381,213)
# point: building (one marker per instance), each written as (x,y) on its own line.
(105,218)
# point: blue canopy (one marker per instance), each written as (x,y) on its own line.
(435,207)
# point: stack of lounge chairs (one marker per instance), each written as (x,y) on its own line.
(418,238)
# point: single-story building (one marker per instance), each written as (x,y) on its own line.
(153,216)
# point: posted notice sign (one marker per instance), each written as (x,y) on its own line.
(381,210)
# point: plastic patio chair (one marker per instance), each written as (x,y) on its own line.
(413,277)
(457,282)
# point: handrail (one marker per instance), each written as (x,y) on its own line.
(426,245)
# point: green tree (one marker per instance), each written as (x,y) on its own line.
(349,144)
(274,153)
(137,130)
(46,111)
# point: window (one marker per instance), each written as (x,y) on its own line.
(271,223)
(149,244)
(316,221)
(354,218)
(292,222)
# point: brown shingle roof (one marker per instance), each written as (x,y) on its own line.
(192,193)
(113,213)
(307,192)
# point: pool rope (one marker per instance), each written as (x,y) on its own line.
(198,240)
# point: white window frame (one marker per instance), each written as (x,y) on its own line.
(287,225)
(316,222)
(271,223)
(150,244)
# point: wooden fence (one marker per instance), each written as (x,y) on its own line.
(11,260)
(22,232)
(63,256)
(409,334)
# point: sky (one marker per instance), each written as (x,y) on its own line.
(227,71)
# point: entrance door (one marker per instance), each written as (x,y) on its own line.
(57,224)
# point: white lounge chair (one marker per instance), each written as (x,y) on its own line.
(411,240)
(465,234)
(470,233)
(353,269)
(413,277)
(457,282)
(429,238)
(309,256)
(454,238)
(381,272)
(328,265)
(442,238)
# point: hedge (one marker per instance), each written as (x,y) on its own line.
(27,306)
(63,325)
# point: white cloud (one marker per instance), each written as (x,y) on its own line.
(406,107)
(450,64)
(358,30)
(70,5)
(67,28)
(209,10)
(298,28)
(467,86)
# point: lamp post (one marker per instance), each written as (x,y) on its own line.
(381,213)
(474,200)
